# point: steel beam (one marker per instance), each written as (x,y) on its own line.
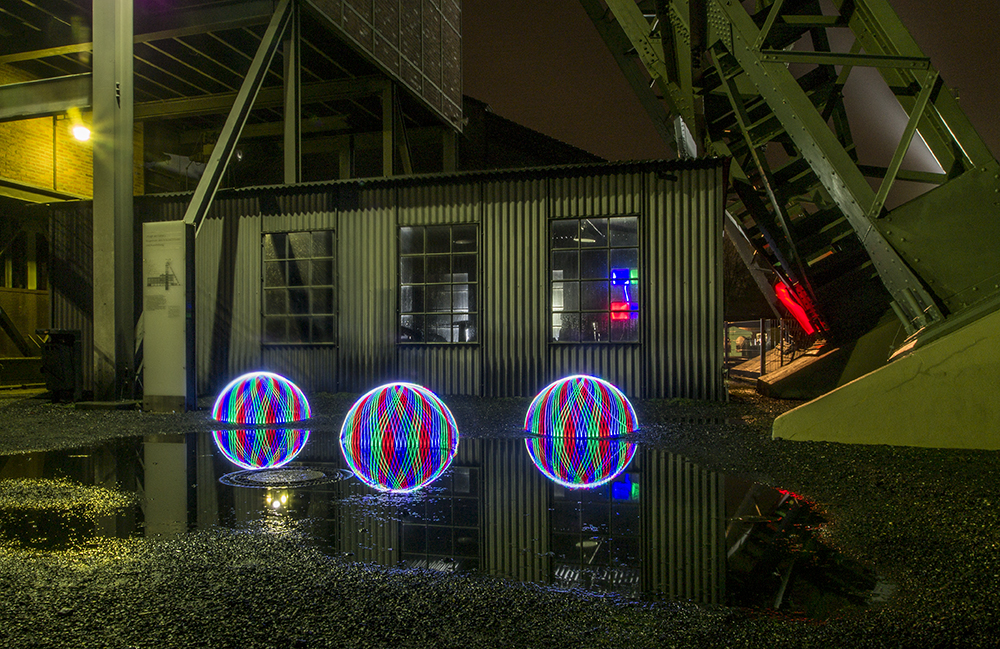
(44,97)
(209,183)
(292,132)
(173,24)
(832,165)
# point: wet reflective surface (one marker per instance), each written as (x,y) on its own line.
(662,528)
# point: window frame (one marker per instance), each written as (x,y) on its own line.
(475,312)
(310,314)
(608,248)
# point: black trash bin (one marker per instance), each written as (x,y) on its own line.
(62,357)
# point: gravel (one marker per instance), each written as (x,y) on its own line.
(925,520)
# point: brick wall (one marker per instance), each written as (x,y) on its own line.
(43,153)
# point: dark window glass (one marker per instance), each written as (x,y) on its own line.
(299,280)
(438,277)
(594,290)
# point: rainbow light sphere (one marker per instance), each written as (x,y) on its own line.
(261,398)
(580,407)
(260,448)
(580,463)
(399,437)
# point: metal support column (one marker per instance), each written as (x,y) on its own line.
(114,263)
(237,118)
(291,49)
(388,130)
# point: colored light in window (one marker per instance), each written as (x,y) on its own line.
(580,407)
(399,437)
(580,463)
(785,297)
(260,448)
(620,276)
(261,398)
(624,310)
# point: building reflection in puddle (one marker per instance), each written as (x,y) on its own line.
(663,527)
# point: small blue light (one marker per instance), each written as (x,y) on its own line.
(621,490)
(620,276)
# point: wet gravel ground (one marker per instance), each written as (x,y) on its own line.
(926,520)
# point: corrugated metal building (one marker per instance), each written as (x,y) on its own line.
(481,283)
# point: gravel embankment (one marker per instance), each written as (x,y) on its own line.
(927,520)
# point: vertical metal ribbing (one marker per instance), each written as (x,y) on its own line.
(514,249)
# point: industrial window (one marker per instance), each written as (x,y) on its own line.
(438,281)
(300,295)
(595,279)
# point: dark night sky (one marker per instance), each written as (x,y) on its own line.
(542,64)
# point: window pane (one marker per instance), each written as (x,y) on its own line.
(322,301)
(298,330)
(322,272)
(274,246)
(463,238)
(593,233)
(438,238)
(463,268)
(323,243)
(563,234)
(461,296)
(439,268)
(439,298)
(624,231)
(565,296)
(298,300)
(322,329)
(411,328)
(625,329)
(411,270)
(465,328)
(274,273)
(566,265)
(626,258)
(594,327)
(298,272)
(594,264)
(411,241)
(274,330)
(275,302)
(566,326)
(594,296)
(439,329)
(411,299)
(300,244)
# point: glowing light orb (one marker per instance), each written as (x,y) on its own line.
(260,448)
(261,398)
(580,407)
(580,463)
(399,437)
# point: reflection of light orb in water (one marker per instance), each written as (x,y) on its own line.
(261,398)
(260,448)
(580,463)
(399,437)
(580,407)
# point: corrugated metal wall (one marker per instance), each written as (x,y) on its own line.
(683,528)
(679,206)
(515,528)
(683,260)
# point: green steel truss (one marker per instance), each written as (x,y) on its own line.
(762,82)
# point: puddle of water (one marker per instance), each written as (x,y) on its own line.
(661,528)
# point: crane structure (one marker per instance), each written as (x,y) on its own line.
(762,82)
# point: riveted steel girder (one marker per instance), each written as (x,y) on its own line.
(230,135)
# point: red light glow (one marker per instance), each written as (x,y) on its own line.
(793,306)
